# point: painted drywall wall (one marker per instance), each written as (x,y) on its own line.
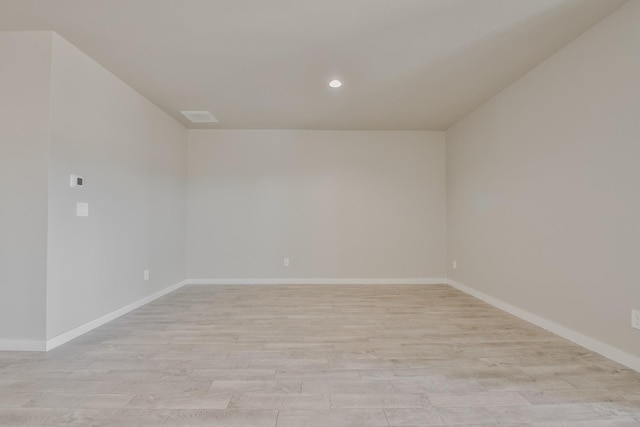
(132,156)
(543,187)
(24,151)
(338,204)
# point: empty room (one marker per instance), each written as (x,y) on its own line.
(299,213)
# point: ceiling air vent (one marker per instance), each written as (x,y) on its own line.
(200,116)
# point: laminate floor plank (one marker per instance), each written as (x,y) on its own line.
(335,356)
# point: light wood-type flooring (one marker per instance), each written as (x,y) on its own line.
(305,356)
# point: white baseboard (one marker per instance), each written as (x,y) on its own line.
(592,344)
(83,329)
(319,281)
(22,345)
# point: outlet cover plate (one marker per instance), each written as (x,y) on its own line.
(635,319)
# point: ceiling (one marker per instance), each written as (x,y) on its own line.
(260,64)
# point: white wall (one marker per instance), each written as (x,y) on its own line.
(133,159)
(543,186)
(338,204)
(24,149)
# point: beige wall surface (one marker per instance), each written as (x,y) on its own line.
(543,187)
(133,159)
(24,149)
(338,204)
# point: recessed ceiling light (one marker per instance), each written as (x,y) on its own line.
(335,84)
(199,116)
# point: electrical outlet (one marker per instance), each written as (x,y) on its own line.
(286,262)
(635,319)
(146,275)
(454,264)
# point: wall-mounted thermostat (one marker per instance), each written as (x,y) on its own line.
(76,181)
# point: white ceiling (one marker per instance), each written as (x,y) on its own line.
(406,64)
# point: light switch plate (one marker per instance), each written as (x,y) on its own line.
(82,209)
